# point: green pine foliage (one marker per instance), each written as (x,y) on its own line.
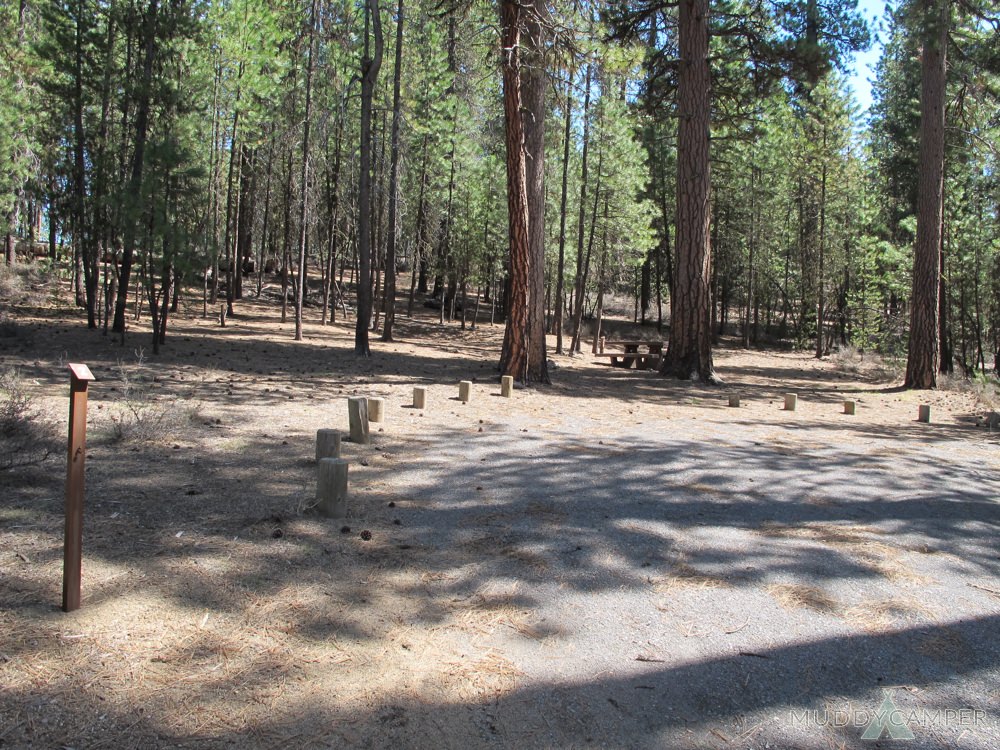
(813,208)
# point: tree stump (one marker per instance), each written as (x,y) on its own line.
(376,408)
(507,386)
(924,413)
(601,344)
(357,412)
(734,401)
(327,444)
(331,487)
(791,401)
(849,407)
(419,397)
(465,391)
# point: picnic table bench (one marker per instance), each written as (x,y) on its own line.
(641,354)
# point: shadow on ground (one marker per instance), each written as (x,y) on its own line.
(229,616)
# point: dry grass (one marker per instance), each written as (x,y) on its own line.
(545,512)
(492,607)
(867,366)
(944,645)
(796,596)
(26,437)
(488,678)
(880,616)
(684,576)
(826,533)
(531,562)
(862,543)
(985,388)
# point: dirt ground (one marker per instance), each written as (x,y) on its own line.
(615,560)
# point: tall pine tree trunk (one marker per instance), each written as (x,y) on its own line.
(138,161)
(580,282)
(533,83)
(564,195)
(389,290)
(523,354)
(922,359)
(514,356)
(419,261)
(690,352)
(304,176)
(369,76)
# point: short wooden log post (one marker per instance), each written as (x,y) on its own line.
(924,413)
(850,407)
(331,487)
(357,412)
(791,401)
(419,397)
(507,386)
(465,391)
(376,408)
(327,444)
(604,340)
(734,401)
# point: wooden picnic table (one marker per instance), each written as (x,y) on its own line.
(635,345)
(640,354)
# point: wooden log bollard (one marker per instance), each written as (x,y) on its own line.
(327,444)
(419,397)
(331,487)
(376,408)
(465,391)
(734,401)
(357,413)
(924,413)
(507,386)
(850,407)
(791,401)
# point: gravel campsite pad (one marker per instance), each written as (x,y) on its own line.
(616,560)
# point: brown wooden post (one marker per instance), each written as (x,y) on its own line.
(80,376)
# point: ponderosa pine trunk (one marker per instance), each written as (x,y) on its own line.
(85,247)
(138,162)
(923,356)
(304,178)
(563,200)
(389,290)
(418,260)
(533,86)
(690,352)
(580,281)
(369,76)
(514,355)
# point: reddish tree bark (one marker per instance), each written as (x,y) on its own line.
(533,85)
(923,355)
(520,354)
(690,352)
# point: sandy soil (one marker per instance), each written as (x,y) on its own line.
(617,560)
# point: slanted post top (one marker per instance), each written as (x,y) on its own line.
(81,373)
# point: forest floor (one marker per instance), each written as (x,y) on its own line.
(615,560)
